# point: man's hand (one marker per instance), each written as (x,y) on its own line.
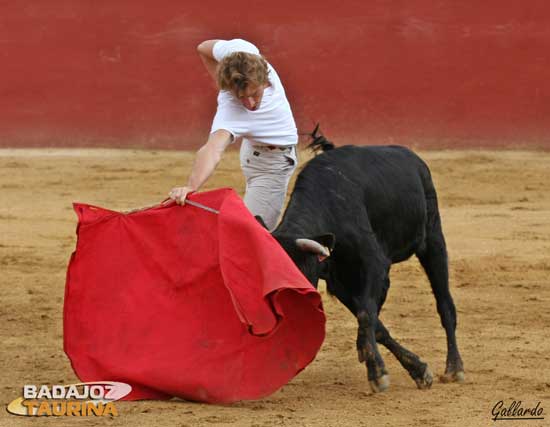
(178,194)
(208,156)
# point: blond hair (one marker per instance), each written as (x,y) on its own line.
(240,69)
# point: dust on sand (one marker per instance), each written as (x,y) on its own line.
(495,208)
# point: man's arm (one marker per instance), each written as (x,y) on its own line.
(207,57)
(206,160)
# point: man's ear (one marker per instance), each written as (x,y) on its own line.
(261,221)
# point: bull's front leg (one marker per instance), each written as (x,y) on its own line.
(367,350)
(373,277)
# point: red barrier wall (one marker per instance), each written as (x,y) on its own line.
(417,72)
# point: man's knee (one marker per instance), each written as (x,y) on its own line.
(269,213)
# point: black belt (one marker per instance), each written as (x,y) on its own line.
(274,147)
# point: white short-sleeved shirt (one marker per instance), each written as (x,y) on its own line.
(272,123)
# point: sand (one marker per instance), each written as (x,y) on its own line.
(495,208)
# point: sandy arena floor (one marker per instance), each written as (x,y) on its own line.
(496,214)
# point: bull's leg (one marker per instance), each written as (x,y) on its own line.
(373,281)
(434,260)
(416,368)
(364,307)
(367,351)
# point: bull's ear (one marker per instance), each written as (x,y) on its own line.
(261,221)
(328,240)
(319,245)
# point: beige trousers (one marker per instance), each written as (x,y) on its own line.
(267,171)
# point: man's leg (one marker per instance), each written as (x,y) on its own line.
(267,176)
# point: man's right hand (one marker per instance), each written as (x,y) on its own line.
(178,194)
(208,156)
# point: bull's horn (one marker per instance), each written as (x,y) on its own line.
(309,245)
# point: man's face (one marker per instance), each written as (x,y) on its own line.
(251,97)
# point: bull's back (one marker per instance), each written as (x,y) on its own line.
(389,182)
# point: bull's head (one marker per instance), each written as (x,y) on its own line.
(310,254)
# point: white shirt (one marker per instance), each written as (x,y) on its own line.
(272,123)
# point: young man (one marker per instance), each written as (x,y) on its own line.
(252,108)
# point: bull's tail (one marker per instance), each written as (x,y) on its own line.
(320,143)
(433,219)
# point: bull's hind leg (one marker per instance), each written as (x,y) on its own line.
(417,369)
(433,258)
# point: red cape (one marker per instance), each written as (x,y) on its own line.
(181,301)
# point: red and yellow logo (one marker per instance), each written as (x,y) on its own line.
(74,400)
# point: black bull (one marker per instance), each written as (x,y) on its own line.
(372,207)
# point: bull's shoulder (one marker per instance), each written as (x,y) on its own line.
(387,150)
(372,150)
(363,156)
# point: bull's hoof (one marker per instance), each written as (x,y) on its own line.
(426,380)
(380,384)
(452,377)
